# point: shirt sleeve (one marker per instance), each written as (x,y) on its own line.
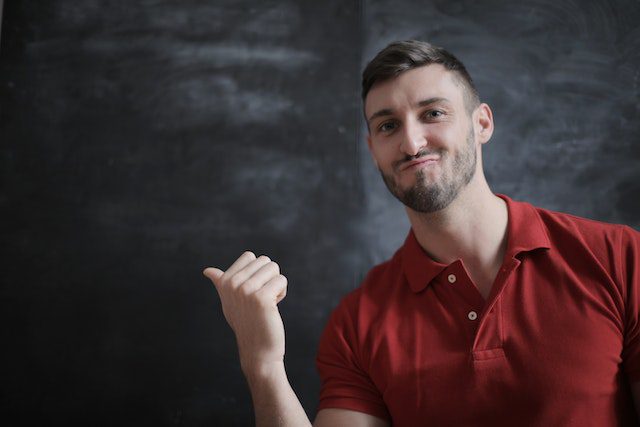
(345,383)
(630,273)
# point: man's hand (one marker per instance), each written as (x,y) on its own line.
(250,291)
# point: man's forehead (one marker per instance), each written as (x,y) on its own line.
(413,86)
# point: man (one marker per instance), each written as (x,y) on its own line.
(493,312)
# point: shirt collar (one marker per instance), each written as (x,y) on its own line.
(525,232)
(418,267)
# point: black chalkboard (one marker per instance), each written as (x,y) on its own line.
(141,141)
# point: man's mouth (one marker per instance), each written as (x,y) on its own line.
(418,163)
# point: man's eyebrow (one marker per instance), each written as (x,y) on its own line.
(423,103)
(433,100)
(380,113)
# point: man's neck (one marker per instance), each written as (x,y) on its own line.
(472,228)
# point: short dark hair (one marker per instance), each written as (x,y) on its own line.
(402,56)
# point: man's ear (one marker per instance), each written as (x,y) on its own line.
(370,144)
(483,123)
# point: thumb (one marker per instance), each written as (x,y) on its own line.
(213,274)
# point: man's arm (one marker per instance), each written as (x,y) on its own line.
(250,291)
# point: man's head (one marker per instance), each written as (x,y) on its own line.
(402,56)
(426,124)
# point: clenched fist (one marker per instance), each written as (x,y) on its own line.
(249,291)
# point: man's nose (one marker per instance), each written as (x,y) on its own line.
(414,138)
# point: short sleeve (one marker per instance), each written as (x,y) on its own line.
(629,266)
(345,384)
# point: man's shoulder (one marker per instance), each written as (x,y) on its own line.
(567,223)
(569,233)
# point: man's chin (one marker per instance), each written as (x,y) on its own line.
(414,185)
(418,184)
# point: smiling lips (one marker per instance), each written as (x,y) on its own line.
(419,162)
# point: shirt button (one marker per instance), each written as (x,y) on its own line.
(472,315)
(451,278)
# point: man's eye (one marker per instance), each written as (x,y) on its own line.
(433,114)
(387,127)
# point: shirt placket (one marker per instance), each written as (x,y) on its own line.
(483,319)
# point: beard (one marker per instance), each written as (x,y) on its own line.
(428,197)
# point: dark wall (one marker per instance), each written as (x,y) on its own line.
(141,141)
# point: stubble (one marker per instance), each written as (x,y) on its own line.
(431,196)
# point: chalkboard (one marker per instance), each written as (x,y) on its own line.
(142,141)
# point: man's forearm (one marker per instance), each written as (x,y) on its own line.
(275,403)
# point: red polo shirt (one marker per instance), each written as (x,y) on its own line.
(555,344)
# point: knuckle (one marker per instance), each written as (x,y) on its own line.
(264,258)
(249,254)
(274,266)
(245,291)
(235,281)
(250,282)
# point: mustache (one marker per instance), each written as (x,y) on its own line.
(422,153)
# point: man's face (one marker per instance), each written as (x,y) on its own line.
(421,137)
